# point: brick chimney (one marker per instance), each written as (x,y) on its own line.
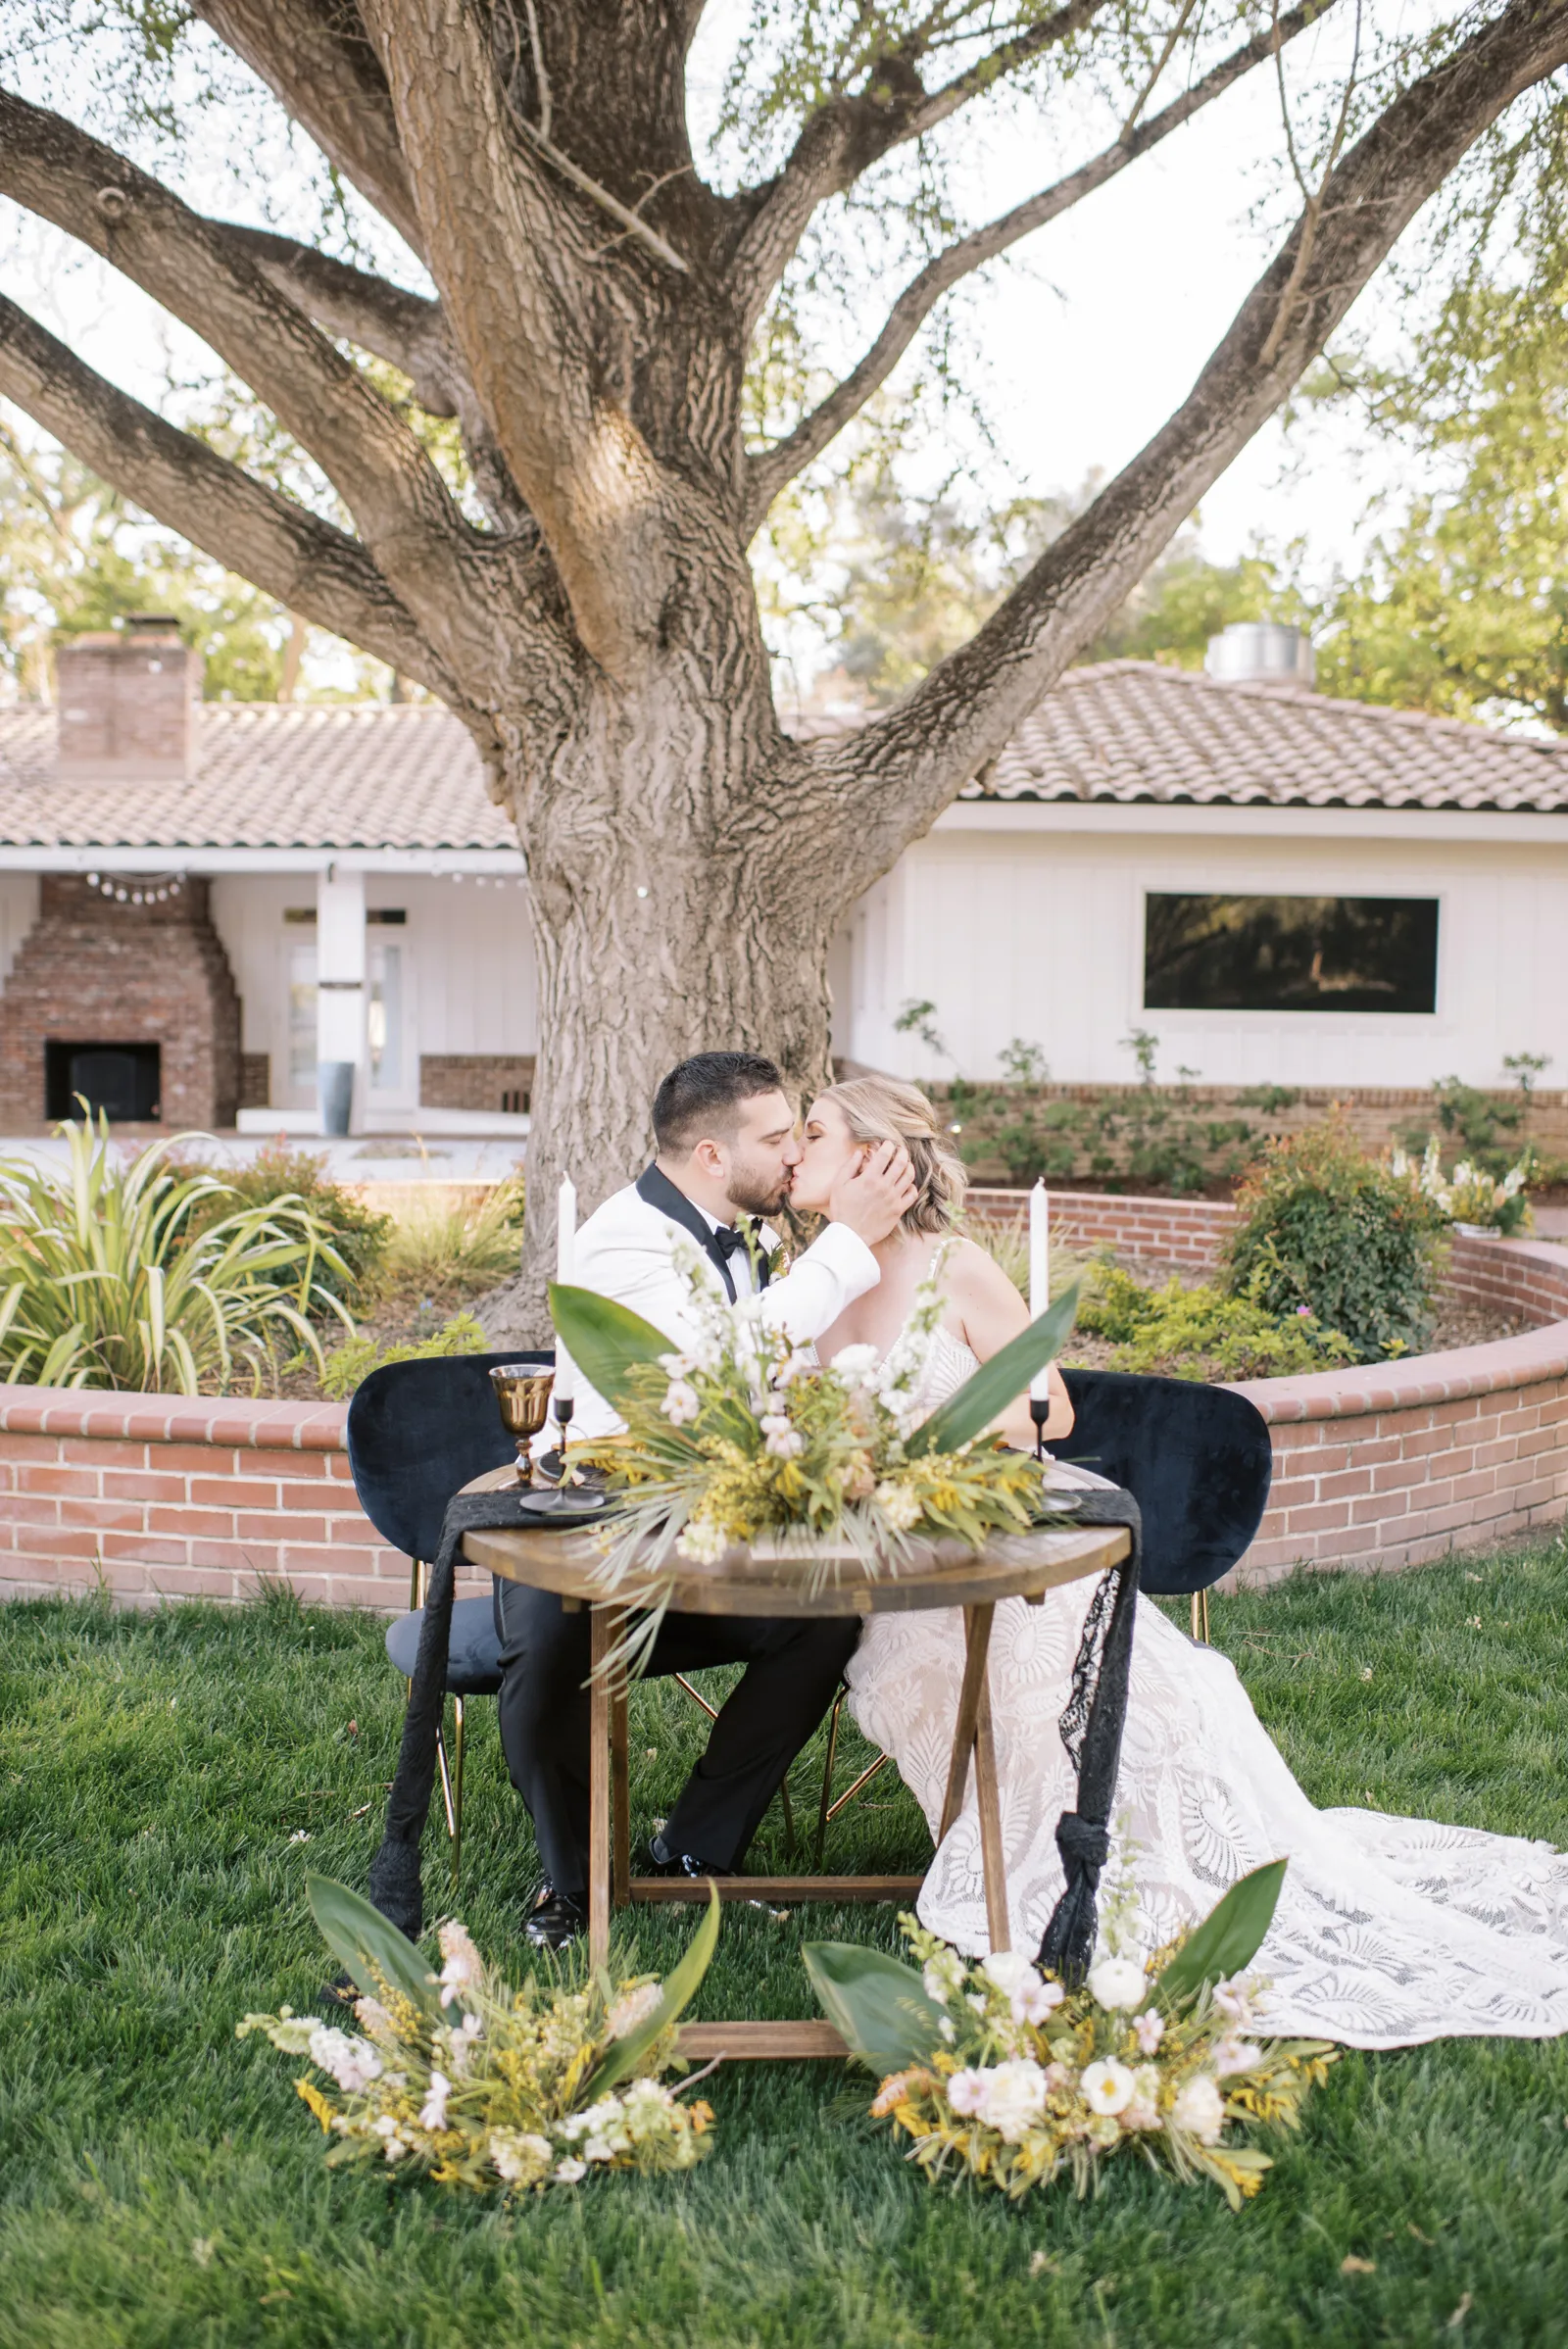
(129,702)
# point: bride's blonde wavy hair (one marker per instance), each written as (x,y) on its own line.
(881,1109)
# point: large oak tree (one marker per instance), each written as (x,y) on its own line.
(588,610)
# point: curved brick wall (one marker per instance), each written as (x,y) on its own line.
(160,1496)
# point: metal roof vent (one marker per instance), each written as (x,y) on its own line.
(1260,653)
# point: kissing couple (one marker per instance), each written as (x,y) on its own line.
(1388,1930)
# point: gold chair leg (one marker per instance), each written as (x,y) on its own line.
(859,1786)
(448,1801)
(1200,1618)
(827,1775)
(696,1695)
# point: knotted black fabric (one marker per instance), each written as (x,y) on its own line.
(1091,1728)
(395,1887)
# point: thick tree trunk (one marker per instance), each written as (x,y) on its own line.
(680,904)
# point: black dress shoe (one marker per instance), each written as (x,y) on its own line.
(661,1861)
(556,1919)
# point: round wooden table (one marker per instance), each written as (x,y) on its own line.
(756,1581)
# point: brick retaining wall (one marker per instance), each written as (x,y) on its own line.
(1176,1231)
(158,1496)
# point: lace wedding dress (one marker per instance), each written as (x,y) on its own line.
(1388,1931)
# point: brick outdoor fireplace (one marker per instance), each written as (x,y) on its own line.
(131,1003)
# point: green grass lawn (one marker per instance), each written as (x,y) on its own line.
(167,1780)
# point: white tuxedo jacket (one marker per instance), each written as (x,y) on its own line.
(626,1249)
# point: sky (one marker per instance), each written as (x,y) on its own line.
(1084,341)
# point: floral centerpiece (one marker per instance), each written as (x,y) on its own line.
(740,1437)
(1470,1197)
(999,2073)
(458,2077)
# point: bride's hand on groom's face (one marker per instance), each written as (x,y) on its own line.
(873,1191)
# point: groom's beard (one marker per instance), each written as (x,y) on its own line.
(750,1193)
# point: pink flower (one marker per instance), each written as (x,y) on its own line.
(1150,2029)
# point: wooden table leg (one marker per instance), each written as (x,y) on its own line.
(620,1781)
(601,1634)
(985,1786)
(978,1635)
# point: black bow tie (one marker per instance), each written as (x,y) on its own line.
(729,1240)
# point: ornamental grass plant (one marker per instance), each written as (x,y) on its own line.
(104,1282)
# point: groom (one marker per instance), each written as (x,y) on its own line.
(725,1143)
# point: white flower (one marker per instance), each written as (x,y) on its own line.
(947,2029)
(433,2111)
(899,1504)
(1235,2055)
(681,1403)
(1199,2109)
(702,1541)
(1117,1983)
(569,2172)
(461,2041)
(353,2063)
(1234,2000)
(464,1963)
(1015,2099)
(851,1362)
(1108,2087)
(782,1441)
(677,1366)
(1150,2029)
(520,2160)
(795,1366)
(1143,2109)
(1035,2000)
(944,1975)
(371,2015)
(646,2101)
(967,2091)
(1008,1969)
(631,2008)
(599,2149)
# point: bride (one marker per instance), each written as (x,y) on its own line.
(1388,1931)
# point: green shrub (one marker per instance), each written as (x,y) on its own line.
(359,1237)
(105,1282)
(1322,1225)
(458,1249)
(353,1362)
(1204,1334)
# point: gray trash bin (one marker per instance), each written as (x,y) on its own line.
(334,1086)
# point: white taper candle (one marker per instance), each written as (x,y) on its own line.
(1039,1271)
(565,1269)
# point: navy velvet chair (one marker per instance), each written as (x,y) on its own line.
(1196,1459)
(417,1433)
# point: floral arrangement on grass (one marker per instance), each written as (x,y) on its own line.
(1470,1195)
(741,1436)
(999,2073)
(458,2077)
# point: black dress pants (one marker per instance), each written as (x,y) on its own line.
(792,1667)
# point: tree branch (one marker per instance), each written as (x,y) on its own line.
(324,73)
(403,509)
(898,773)
(771,469)
(526,306)
(405,329)
(292,553)
(844,138)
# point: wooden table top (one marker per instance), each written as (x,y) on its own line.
(756,1581)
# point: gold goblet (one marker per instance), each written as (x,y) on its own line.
(522,1397)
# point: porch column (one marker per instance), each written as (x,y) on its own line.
(340,998)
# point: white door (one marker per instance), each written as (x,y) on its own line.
(389,1026)
(301,1040)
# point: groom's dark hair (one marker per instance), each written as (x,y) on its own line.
(702,1096)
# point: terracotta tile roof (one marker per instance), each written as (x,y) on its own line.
(371,776)
(357,775)
(1134,730)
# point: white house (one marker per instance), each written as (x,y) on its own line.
(201,902)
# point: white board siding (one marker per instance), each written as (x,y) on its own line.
(469,981)
(1039,936)
(19,911)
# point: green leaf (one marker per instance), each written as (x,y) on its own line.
(368,1946)
(999,1381)
(1229,1938)
(680,1989)
(605,1339)
(878,2003)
